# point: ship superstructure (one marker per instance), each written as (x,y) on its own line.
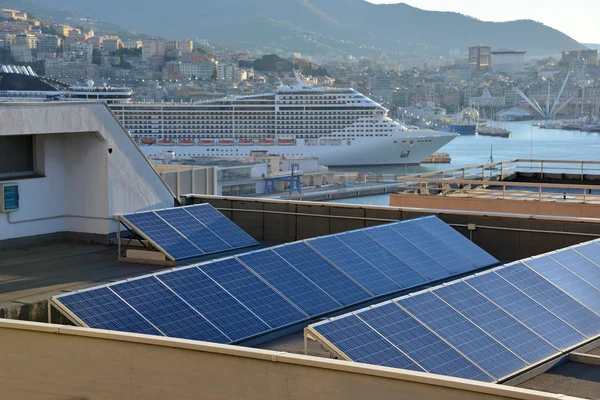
(340,127)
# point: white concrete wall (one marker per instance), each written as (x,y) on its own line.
(84,185)
(43,361)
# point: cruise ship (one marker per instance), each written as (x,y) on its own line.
(340,127)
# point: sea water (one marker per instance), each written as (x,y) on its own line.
(527,142)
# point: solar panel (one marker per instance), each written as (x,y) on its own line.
(197,233)
(217,222)
(578,264)
(168,312)
(385,261)
(358,341)
(566,280)
(590,250)
(189,232)
(472,341)
(523,308)
(496,322)
(164,235)
(239,298)
(457,242)
(222,309)
(102,309)
(419,343)
(337,284)
(409,253)
(435,248)
(291,283)
(552,298)
(256,295)
(354,265)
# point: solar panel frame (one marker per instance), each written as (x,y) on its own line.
(354,265)
(539,319)
(566,280)
(194,230)
(421,344)
(496,322)
(384,260)
(435,248)
(368,350)
(273,308)
(227,230)
(83,301)
(457,241)
(231,316)
(311,264)
(170,250)
(551,297)
(282,276)
(159,305)
(408,252)
(491,355)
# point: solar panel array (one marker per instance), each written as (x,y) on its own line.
(189,232)
(487,326)
(238,298)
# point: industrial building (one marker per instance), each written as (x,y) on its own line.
(79,177)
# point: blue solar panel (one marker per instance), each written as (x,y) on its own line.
(579,265)
(419,343)
(166,311)
(102,309)
(496,322)
(408,252)
(470,340)
(218,306)
(523,308)
(566,280)
(222,225)
(354,265)
(259,297)
(383,259)
(291,283)
(437,250)
(552,298)
(362,344)
(457,242)
(590,250)
(193,230)
(161,233)
(316,268)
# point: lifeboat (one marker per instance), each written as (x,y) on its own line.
(206,142)
(246,142)
(266,142)
(185,142)
(226,142)
(148,141)
(286,142)
(166,142)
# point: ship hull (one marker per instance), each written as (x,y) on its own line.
(391,150)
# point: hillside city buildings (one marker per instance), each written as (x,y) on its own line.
(183,70)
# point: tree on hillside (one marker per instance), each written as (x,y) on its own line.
(272,63)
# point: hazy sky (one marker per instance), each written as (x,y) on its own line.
(577,18)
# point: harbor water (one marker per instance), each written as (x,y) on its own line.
(527,142)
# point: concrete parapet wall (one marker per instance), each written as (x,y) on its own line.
(508,237)
(42,361)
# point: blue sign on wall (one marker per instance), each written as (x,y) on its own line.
(11,197)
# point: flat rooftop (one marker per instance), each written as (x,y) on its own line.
(34,273)
(571,378)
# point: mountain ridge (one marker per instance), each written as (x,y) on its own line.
(354,26)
